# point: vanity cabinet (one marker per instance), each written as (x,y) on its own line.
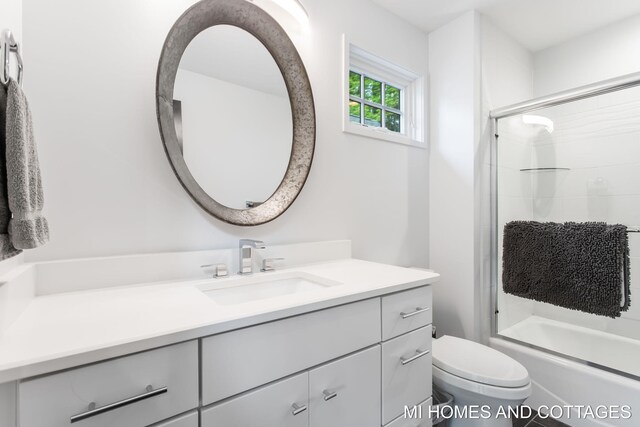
(356,364)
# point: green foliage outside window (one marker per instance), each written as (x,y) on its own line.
(372,116)
(392,97)
(354,111)
(354,84)
(392,121)
(372,90)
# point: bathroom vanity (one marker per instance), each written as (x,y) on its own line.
(337,343)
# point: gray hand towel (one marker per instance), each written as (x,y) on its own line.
(581,266)
(7,250)
(28,228)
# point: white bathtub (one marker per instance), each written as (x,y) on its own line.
(602,348)
(560,381)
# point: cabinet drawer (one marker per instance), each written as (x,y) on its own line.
(405,311)
(171,372)
(240,360)
(346,393)
(283,404)
(406,372)
(421,418)
(187,420)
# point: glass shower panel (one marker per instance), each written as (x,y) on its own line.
(579,161)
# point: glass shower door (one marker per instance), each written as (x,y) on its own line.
(574,162)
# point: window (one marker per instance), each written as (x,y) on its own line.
(374,103)
(382,100)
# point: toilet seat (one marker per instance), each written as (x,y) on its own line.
(477,363)
(446,381)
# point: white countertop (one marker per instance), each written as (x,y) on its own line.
(60,331)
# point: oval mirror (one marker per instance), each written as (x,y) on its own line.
(235,111)
(232,116)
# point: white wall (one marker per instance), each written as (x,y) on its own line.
(236,140)
(109,188)
(507,68)
(11,18)
(609,52)
(454,104)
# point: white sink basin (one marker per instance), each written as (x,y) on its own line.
(260,287)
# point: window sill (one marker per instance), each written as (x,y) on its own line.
(381,134)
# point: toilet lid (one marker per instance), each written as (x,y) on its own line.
(477,362)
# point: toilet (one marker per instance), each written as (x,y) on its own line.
(477,375)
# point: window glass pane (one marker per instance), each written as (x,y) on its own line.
(354,111)
(392,97)
(372,116)
(392,121)
(354,84)
(372,90)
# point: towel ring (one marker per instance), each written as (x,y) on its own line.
(9,45)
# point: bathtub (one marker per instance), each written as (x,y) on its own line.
(558,380)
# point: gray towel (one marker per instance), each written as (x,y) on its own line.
(7,250)
(27,227)
(581,266)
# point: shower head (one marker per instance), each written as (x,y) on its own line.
(531,119)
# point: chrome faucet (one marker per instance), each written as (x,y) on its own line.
(246,258)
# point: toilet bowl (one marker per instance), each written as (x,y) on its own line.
(484,383)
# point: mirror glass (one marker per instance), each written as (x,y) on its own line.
(232,116)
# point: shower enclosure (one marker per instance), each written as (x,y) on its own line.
(574,156)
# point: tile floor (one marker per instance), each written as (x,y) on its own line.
(536,421)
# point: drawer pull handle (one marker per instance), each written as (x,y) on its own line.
(297,409)
(328,395)
(418,355)
(93,411)
(419,310)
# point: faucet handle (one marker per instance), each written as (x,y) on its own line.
(258,244)
(267,264)
(220,270)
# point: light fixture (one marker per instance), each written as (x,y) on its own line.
(295,9)
(531,119)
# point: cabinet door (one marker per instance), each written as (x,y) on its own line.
(130,391)
(406,372)
(405,312)
(346,393)
(282,404)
